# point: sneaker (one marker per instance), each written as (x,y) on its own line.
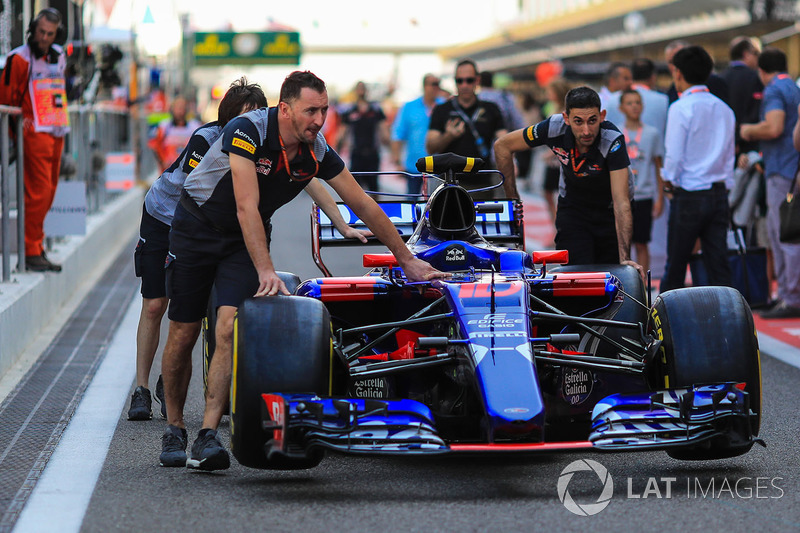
(160,396)
(140,405)
(782,310)
(173,447)
(208,453)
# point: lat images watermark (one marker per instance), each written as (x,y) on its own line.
(744,487)
(586,509)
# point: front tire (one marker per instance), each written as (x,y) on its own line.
(708,336)
(210,324)
(282,344)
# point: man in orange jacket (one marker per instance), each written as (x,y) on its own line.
(33,79)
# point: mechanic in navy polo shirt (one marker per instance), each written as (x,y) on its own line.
(594,221)
(153,245)
(221,227)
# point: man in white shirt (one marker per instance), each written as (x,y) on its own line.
(698,170)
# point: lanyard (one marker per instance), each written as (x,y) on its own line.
(470,122)
(694,89)
(575,155)
(298,175)
(633,148)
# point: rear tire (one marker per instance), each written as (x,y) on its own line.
(281,344)
(629,311)
(708,336)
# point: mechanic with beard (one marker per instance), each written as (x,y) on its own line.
(33,79)
(594,220)
(220,234)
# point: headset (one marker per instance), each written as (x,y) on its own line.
(61,32)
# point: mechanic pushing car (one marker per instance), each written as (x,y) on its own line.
(220,232)
(594,220)
(153,247)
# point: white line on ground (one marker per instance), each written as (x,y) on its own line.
(779,350)
(63,492)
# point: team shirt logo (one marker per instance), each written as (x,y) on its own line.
(244,145)
(561,154)
(195,159)
(264,165)
(244,141)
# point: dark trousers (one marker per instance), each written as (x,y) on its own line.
(588,234)
(366,163)
(696,215)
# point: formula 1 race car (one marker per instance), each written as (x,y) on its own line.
(514,352)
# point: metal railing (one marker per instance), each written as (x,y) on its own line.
(96,130)
(5,189)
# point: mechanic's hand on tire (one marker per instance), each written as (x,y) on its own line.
(271,285)
(639,268)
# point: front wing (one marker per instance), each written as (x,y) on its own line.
(622,422)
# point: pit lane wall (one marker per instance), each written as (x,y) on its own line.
(32,300)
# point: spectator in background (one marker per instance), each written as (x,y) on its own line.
(716,85)
(744,88)
(365,130)
(618,78)
(410,128)
(172,134)
(698,170)
(646,151)
(796,133)
(333,124)
(556,90)
(779,113)
(512,118)
(654,103)
(45,123)
(466,125)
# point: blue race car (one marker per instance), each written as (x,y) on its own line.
(515,353)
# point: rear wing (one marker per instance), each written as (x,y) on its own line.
(494,220)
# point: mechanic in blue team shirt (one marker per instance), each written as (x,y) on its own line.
(698,170)
(220,232)
(153,245)
(593,221)
(779,108)
(411,127)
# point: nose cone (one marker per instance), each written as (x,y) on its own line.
(513,399)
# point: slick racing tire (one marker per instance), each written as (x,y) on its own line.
(282,344)
(209,338)
(708,336)
(210,325)
(633,308)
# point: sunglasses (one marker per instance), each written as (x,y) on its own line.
(469,81)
